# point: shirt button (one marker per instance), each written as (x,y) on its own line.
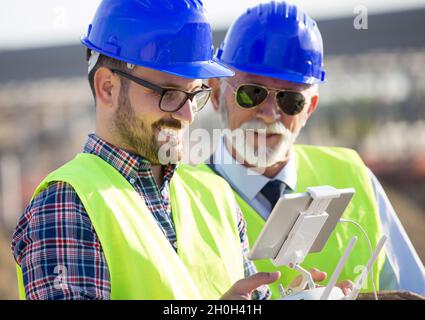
(132,181)
(175,244)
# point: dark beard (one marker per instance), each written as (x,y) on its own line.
(135,135)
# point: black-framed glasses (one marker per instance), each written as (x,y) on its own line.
(172,99)
(250,96)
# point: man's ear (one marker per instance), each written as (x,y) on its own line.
(314,101)
(215,84)
(106,86)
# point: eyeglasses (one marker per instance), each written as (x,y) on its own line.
(250,96)
(172,99)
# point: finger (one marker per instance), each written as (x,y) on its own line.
(296,282)
(317,275)
(247,285)
(346,286)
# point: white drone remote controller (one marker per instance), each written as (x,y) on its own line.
(330,292)
(300,224)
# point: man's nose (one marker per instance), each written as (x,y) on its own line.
(267,111)
(185,114)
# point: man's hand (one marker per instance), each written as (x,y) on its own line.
(243,288)
(346,286)
(316,275)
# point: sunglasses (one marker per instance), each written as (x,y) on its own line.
(172,99)
(249,96)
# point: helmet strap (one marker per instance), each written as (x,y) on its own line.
(94,56)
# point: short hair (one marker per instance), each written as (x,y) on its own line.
(104,61)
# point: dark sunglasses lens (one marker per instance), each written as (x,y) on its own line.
(249,96)
(291,103)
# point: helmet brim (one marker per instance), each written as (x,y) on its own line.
(277,74)
(192,70)
(197,70)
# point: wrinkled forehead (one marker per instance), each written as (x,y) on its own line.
(245,78)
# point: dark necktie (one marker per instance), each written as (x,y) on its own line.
(273,190)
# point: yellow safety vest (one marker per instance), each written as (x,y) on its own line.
(340,168)
(141,262)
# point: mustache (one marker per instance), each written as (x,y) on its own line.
(168,123)
(272,128)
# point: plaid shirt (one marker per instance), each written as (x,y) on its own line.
(57,247)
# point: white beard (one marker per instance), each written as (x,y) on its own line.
(262,156)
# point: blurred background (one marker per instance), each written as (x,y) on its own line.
(373,101)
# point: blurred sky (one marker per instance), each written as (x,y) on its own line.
(28,23)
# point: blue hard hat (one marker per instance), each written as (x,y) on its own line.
(172,36)
(276,40)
